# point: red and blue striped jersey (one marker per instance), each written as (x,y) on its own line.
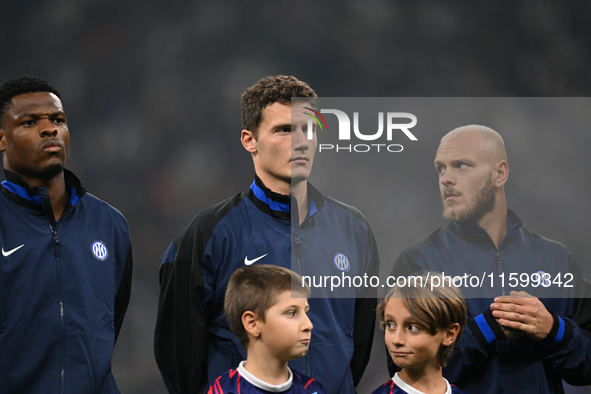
(233,382)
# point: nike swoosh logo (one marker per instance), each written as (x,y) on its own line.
(249,262)
(6,254)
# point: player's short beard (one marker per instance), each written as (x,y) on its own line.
(482,203)
(50,171)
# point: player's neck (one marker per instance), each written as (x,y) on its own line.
(428,379)
(266,368)
(275,184)
(495,223)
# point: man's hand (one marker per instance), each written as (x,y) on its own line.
(524,312)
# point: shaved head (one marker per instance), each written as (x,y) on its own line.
(472,165)
(493,141)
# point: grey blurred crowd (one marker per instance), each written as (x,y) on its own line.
(152,93)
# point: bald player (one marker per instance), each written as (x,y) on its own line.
(522,336)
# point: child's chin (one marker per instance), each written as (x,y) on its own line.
(400,362)
(298,355)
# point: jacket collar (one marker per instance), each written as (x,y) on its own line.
(280,205)
(474,233)
(18,190)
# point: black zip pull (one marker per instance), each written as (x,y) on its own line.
(500,270)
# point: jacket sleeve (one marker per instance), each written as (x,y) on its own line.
(365,316)
(362,336)
(474,351)
(569,342)
(181,335)
(181,339)
(566,351)
(123,294)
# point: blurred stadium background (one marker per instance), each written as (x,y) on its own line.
(152,92)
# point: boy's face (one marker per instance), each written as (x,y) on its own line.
(410,344)
(287,330)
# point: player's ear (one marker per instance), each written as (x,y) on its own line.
(450,334)
(249,141)
(2,140)
(251,323)
(501,173)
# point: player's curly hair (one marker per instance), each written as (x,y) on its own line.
(269,90)
(255,288)
(21,85)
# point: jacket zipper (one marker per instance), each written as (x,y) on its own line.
(57,253)
(46,203)
(294,224)
(298,255)
(500,270)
